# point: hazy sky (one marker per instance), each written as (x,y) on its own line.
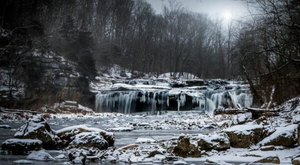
(213,8)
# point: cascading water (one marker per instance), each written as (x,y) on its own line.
(153,99)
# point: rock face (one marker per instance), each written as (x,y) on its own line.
(214,142)
(283,136)
(37,128)
(89,140)
(69,134)
(269,160)
(243,136)
(185,149)
(21,146)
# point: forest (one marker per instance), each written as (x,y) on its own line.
(262,49)
(118,82)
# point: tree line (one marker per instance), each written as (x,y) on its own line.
(264,49)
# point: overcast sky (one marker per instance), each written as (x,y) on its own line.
(213,8)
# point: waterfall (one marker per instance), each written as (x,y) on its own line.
(161,99)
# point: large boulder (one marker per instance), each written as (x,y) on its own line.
(185,149)
(283,136)
(89,140)
(21,146)
(40,156)
(68,134)
(243,136)
(219,142)
(38,128)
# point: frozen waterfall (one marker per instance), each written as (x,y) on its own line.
(153,99)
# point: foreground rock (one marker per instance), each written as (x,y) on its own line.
(89,140)
(283,136)
(219,142)
(243,136)
(38,128)
(40,156)
(185,149)
(69,134)
(21,146)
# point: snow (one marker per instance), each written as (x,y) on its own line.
(296,119)
(83,126)
(22,141)
(40,155)
(23,162)
(120,129)
(144,140)
(243,129)
(287,131)
(5,126)
(180,162)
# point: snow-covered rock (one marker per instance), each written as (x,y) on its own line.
(40,156)
(243,136)
(180,162)
(217,142)
(22,161)
(144,140)
(89,140)
(38,128)
(283,136)
(21,146)
(184,148)
(69,133)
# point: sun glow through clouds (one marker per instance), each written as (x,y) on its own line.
(227,16)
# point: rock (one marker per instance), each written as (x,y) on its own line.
(89,140)
(40,156)
(5,127)
(243,136)
(68,134)
(214,142)
(298,130)
(21,146)
(185,149)
(283,136)
(270,159)
(267,148)
(38,128)
(296,161)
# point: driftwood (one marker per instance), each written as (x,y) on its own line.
(256,113)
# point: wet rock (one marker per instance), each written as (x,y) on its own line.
(38,128)
(185,149)
(270,159)
(89,140)
(243,136)
(214,142)
(21,146)
(296,161)
(68,134)
(283,136)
